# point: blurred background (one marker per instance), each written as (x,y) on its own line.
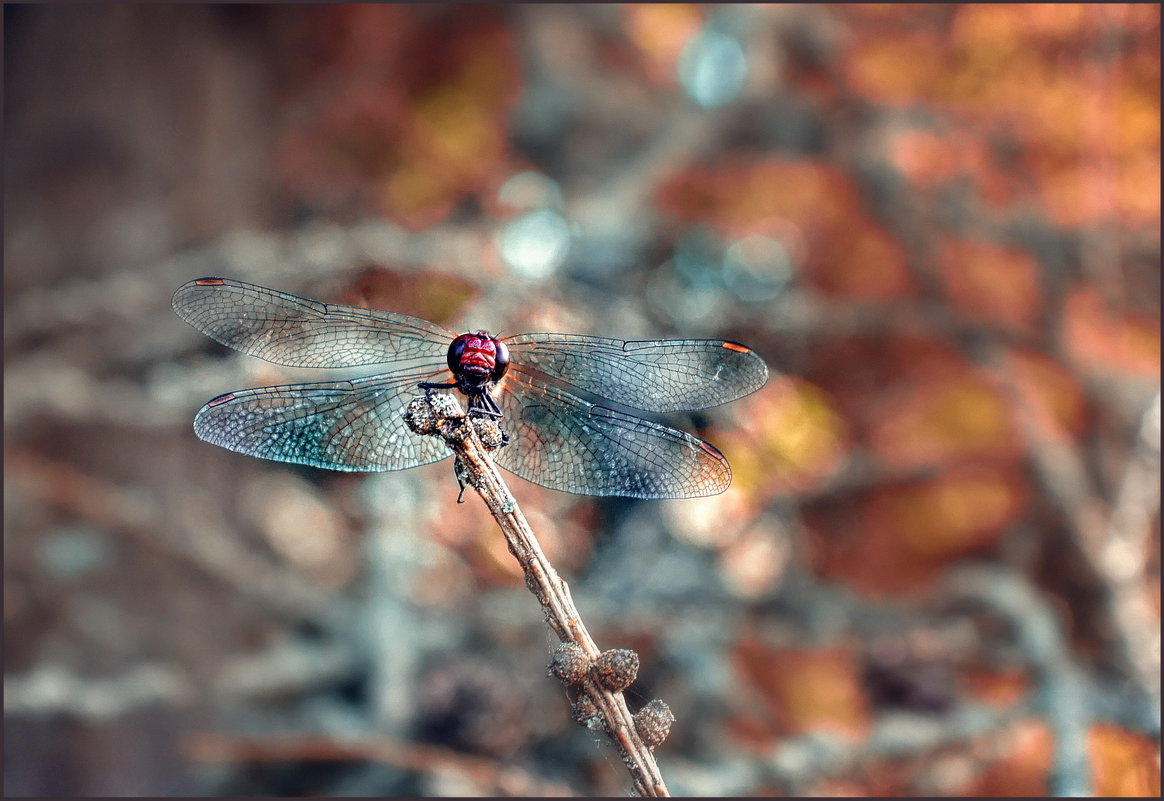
(937,569)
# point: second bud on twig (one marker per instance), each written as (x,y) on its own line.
(653,722)
(569,663)
(616,669)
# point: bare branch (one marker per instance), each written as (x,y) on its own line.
(606,674)
(1114,540)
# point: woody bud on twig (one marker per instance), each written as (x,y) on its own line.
(616,669)
(569,663)
(584,711)
(653,722)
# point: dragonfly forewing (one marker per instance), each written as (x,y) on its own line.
(659,376)
(286,329)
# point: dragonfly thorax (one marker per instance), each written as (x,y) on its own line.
(479,358)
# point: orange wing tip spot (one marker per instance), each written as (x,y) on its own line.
(707,447)
(737,347)
(209,282)
(221,399)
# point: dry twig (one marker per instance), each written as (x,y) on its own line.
(599,677)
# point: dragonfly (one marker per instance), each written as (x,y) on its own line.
(535,385)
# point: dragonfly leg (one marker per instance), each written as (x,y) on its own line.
(462,478)
(504,438)
(481,404)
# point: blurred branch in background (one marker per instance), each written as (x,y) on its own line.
(459,771)
(937,569)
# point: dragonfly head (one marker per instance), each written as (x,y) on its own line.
(478,357)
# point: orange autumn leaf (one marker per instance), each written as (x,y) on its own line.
(451,127)
(1082,123)
(1053,399)
(943,519)
(806,690)
(454,140)
(1137,187)
(742,198)
(409,129)
(1125,764)
(1136,104)
(999,688)
(860,260)
(886,68)
(1066,188)
(953,413)
(971,63)
(661,30)
(751,731)
(1098,131)
(1024,766)
(793,437)
(929,158)
(1007,27)
(847,255)
(991,283)
(416,196)
(898,539)
(439,297)
(1101,340)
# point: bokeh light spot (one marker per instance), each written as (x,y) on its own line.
(530,190)
(757,268)
(713,68)
(535,244)
(73,552)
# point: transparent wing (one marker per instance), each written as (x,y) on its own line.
(339,425)
(656,376)
(563,442)
(287,329)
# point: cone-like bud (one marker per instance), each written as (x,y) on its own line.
(653,722)
(569,663)
(584,711)
(616,669)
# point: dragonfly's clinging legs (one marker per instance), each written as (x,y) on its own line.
(462,475)
(481,405)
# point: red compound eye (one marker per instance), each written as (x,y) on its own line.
(457,350)
(501,359)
